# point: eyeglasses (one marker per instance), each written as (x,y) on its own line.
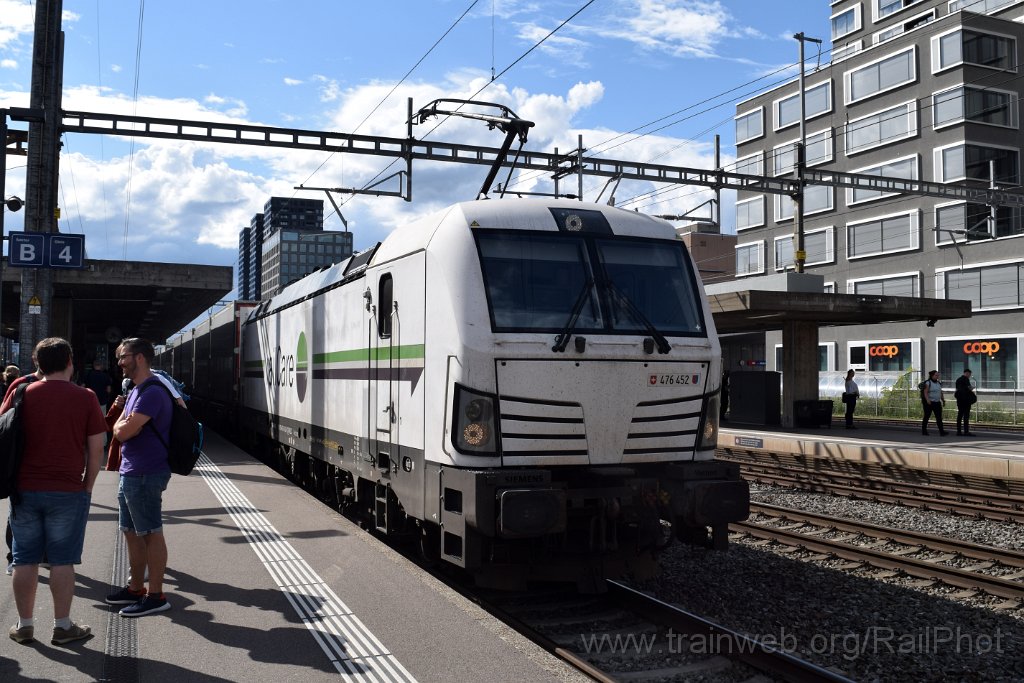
(126,355)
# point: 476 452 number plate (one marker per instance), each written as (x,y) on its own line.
(672,380)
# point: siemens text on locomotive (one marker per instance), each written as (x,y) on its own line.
(529,387)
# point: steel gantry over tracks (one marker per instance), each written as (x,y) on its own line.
(558,165)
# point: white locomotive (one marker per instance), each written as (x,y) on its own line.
(527,385)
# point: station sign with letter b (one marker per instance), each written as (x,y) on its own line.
(46,250)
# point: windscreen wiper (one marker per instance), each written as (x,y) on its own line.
(562,340)
(617,295)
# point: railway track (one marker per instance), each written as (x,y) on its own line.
(987,499)
(626,635)
(973,567)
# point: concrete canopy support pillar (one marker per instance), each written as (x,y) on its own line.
(41,175)
(799,366)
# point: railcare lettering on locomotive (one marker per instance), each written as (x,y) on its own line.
(282,369)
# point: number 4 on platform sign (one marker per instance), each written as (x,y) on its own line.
(66,251)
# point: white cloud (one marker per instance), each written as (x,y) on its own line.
(233,107)
(293,81)
(561,46)
(8,64)
(681,28)
(116,68)
(330,91)
(190,199)
(17,18)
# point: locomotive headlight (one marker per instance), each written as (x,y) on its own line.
(708,438)
(478,409)
(473,422)
(476,434)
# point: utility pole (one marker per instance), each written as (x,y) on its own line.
(799,253)
(36,306)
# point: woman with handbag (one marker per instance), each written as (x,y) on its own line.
(850,395)
(965,398)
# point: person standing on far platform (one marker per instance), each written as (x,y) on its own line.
(64,433)
(98,380)
(932,399)
(11,373)
(965,398)
(144,477)
(850,395)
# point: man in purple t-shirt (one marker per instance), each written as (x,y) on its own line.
(144,476)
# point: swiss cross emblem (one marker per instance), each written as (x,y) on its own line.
(654,379)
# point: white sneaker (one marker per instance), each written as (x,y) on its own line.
(10,569)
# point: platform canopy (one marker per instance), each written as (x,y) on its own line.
(116,299)
(759,310)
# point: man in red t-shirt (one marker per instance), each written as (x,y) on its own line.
(64,434)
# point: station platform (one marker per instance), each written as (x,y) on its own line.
(265,583)
(988,453)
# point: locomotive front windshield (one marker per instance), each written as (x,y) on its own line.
(545,282)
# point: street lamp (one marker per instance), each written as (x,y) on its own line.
(11,204)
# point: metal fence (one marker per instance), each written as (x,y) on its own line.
(896,396)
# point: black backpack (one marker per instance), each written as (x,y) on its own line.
(12,445)
(186,437)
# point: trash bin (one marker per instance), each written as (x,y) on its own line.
(812,413)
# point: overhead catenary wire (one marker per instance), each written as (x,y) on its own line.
(399,83)
(896,41)
(487,85)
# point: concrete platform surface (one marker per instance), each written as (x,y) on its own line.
(266,583)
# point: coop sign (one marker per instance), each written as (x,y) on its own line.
(989,348)
(885,350)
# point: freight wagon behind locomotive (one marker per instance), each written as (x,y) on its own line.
(529,387)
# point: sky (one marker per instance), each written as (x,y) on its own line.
(640,80)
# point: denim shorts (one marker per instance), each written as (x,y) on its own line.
(140,502)
(50,523)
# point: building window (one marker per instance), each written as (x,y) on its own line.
(750,213)
(750,258)
(841,52)
(904,27)
(817,101)
(964,46)
(966,103)
(749,126)
(818,150)
(889,356)
(818,245)
(976,162)
(846,22)
(881,235)
(971,222)
(817,198)
(992,360)
(751,165)
(988,287)
(902,285)
(882,128)
(884,8)
(900,168)
(980,6)
(880,76)
(829,288)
